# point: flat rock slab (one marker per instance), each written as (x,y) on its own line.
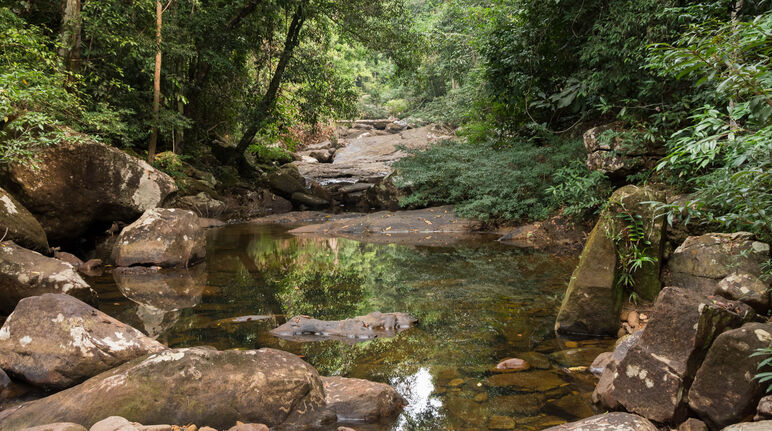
(56,341)
(357,400)
(162,237)
(304,328)
(304,217)
(197,385)
(25,273)
(608,422)
(75,185)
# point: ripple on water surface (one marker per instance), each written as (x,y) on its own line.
(477,302)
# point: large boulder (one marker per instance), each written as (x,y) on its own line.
(593,301)
(202,204)
(607,375)
(197,385)
(654,376)
(25,273)
(618,152)
(162,237)
(357,400)
(724,390)
(75,185)
(701,262)
(287,180)
(608,422)
(19,225)
(367,327)
(56,341)
(747,288)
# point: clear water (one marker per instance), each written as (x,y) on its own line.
(477,302)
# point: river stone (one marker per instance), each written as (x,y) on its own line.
(309,200)
(750,426)
(286,180)
(169,289)
(764,409)
(603,390)
(724,390)
(701,262)
(376,324)
(693,424)
(25,273)
(511,365)
(518,404)
(653,378)
(745,288)
(354,400)
(76,185)
(114,423)
(163,237)
(56,341)
(19,225)
(536,360)
(608,422)
(202,204)
(61,426)
(248,427)
(582,357)
(600,363)
(527,381)
(196,385)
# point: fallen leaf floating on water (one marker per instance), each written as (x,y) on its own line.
(427,222)
(388,228)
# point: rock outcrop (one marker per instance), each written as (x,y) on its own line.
(593,301)
(747,288)
(197,385)
(359,328)
(25,273)
(357,400)
(621,154)
(161,237)
(17,224)
(655,375)
(724,390)
(608,422)
(77,185)
(701,262)
(56,341)
(202,204)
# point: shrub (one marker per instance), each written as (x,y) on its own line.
(581,193)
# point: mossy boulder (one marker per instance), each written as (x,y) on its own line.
(196,385)
(594,297)
(19,225)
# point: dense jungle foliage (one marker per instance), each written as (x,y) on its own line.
(521,79)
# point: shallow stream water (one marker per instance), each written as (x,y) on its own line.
(477,302)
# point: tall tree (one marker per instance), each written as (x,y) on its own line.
(71,34)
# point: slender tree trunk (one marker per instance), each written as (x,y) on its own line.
(268,102)
(156,82)
(738,5)
(71,34)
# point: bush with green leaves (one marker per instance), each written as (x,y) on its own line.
(580,192)
(486,181)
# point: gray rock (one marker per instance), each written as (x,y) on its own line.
(76,185)
(608,422)
(249,427)
(693,424)
(605,385)
(113,423)
(745,288)
(56,341)
(286,180)
(162,237)
(62,426)
(618,157)
(309,200)
(750,426)
(360,328)
(25,273)
(202,204)
(5,381)
(656,372)
(19,225)
(764,409)
(197,385)
(600,363)
(724,391)
(354,400)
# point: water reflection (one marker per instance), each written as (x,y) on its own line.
(477,302)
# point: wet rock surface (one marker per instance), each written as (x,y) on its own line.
(724,390)
(304,328)
(25,273)
(17,224)
(161,237)
(657,370)
(608,422)
(701,262)
(56,341)
(169,289)
(357,400)
(77,185)
(196,385)
(61,426)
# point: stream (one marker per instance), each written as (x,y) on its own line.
(477,302)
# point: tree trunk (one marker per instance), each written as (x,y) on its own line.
(156,82)
(71,34)
(268,102)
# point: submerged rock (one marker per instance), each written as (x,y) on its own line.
(25,273)
(527,381)
(657,370)
(75,185)
(19,225)
(56,341)
(355,400)
(608,422)
(701,262)
(163,237)
(359,328)
(724,390)
(197,385)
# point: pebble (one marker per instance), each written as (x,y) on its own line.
(633,319)
(455,383)
(513,364)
